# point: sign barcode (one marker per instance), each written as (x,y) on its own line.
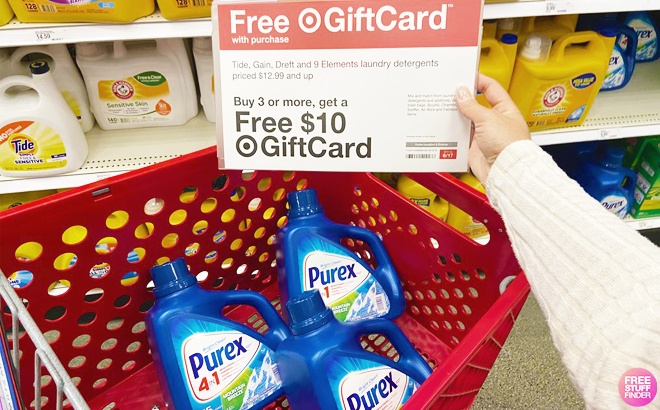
(380,304)
(48,9)
(416,156)
(198,3)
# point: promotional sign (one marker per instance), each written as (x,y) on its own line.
(344,85)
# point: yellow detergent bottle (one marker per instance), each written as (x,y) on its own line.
(8,201)
(81,11)
(462,221)
(64,71)
(555,85)
(489,29)
(39,135)
(497,60)
(203,53)
(136,84)
(6,13)
(551,26)
(184,9)
(420,195)
(389,178)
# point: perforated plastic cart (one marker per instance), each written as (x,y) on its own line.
(79,261)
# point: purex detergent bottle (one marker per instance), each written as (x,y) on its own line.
(323,365)
(605,179)
(310,256)
(203,359)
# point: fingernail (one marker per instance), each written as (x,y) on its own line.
(462,93)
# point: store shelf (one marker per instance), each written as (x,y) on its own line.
(16,33)
(643,224)
(553,7)
(633,111)
(115,152)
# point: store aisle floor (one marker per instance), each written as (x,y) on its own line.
(528,373)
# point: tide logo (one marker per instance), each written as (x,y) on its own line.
(21,144)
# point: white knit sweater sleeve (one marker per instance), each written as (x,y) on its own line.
(596,279)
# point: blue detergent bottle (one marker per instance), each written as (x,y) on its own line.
(203,359)
(622,61)
(648,48)
(310,256)
(323,365)
(608,181)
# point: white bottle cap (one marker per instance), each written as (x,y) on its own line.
(537,47)
(87,49)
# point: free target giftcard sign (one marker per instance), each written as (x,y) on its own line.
(344,85)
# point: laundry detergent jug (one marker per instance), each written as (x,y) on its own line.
(497,60)
(554,26)
(64,71)
(81,11)
(135,84)
(39,135)
(6,13)
(203,53)
(648,48)
(184,9)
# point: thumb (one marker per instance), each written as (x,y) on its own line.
(468,106)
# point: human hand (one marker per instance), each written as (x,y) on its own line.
(493,128)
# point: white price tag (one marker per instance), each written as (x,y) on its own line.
(609,134)
(49,36)
(558,7)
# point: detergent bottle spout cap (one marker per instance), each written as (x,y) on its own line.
(308,312)
(171,277)
(612,157)
(536,47)
(303,203)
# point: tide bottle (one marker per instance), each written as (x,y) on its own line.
(81,11)
(497,60)
(42,136)
(66,75)
(648,48)
(178,10)
(6,13)
(311,256)
(607,181)
(323,366)
(137,84)
(204,359)
(461,220)
(554,85)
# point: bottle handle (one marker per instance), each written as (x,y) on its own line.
(631,49)
(118,49)
(559,47)
(383,259)
(14,80)
(409,358)
(278,330)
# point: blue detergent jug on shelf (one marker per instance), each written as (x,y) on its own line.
(323,365)
(311,256)
(622,61)
(203,359)
(648,46)
(608,181)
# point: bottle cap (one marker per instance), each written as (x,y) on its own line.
(612,157)
(171,277)
(509,38)
(537,47)
(303,203)
(39,67)
(608,32)
(308,312)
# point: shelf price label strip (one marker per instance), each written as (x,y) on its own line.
(344,85)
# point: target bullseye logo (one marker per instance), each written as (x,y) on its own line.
(246,146)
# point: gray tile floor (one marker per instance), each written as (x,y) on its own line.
(528,373)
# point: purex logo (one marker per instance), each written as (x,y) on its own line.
(331,275)
(215,359)
(372,397)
